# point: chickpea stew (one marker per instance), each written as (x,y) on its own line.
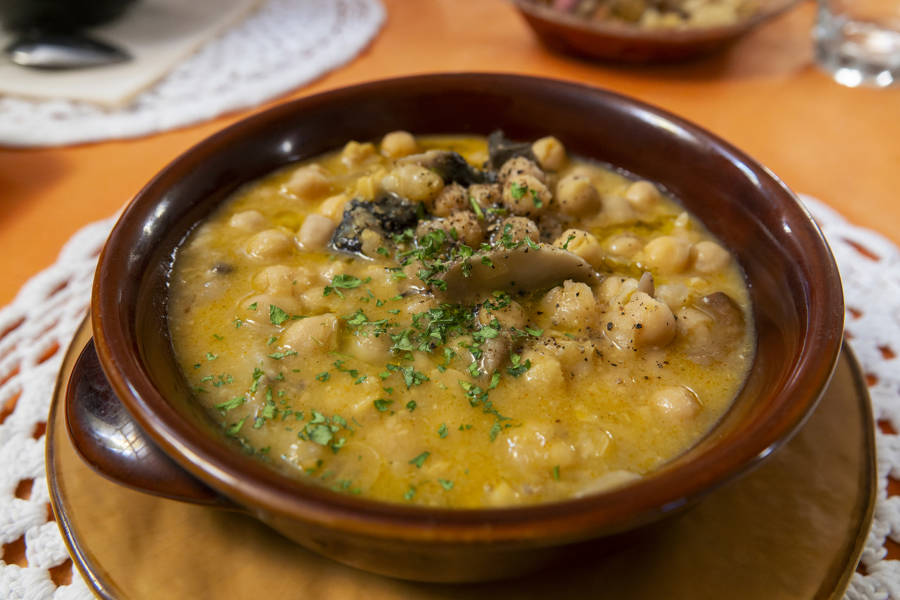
(459,322)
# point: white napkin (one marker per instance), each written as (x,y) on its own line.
(157,33)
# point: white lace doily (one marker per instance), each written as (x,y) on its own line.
(37,326)
(284,44)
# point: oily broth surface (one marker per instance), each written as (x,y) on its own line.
(583,417)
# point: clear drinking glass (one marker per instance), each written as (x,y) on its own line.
(858,41)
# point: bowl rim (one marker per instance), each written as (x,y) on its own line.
(671,35)
(611,511)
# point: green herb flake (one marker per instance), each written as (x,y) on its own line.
(495,429)
(253,306)
(420,459)
(411,405)
(442,431)
(382,404)
(476,208)
(229,404)
(446,484)
(238,323)
(218,337)
(556,472)
(517,190)
(283,354)
(235,428)
(320,434)
(534,331)
(410,493)
(211,356)
(323,376)
(277,316)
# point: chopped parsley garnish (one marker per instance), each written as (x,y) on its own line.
(411,405)
(236,427)
(517,190)
(495,429)
(277,316)
(283,354)
(476,208)
(442,431)
(344,281)
(211,356)
(410,493)
(517,367)
(556,472)
(253,306)
(420,459)
(446,484)
(382,405)
(229,404)
(323,376)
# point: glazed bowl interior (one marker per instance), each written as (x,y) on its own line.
(793,284)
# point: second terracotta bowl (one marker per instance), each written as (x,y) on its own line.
(794,285)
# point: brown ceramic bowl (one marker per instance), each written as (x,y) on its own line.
(621,42)
(793,281)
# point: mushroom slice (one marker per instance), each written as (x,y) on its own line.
(450,166)
(501,149)
(514,270)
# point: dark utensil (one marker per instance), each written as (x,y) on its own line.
(58,51)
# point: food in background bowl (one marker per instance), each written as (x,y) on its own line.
(659,13)
(459,322)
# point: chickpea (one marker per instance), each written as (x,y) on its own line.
(525,195)
(577,196)
(550,152)
(667,254)
(583,244)
(618,211)
(512,315)
(545,372)
(248,220)
(485,194)
(468,227)
(413,182)
(677,402)
(569,306)
(355,154)
(309,183)
(277,279)
(643,195)
(709,257)
(451,199)
(313,334)
(518,229)
(373,350)
(625,245)
(654,324)
(520,166)
(613,288)
(333,206)
(315,233)
(398,143)
(259,314)
(270,243)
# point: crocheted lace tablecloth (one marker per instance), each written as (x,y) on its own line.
(36,328)
(281,46)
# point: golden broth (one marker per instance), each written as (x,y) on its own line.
(356,372)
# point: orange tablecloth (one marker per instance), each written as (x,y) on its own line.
(765,95)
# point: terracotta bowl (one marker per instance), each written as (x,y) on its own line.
(620,42)
(171,448)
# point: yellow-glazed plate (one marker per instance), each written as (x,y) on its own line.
(793,528)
